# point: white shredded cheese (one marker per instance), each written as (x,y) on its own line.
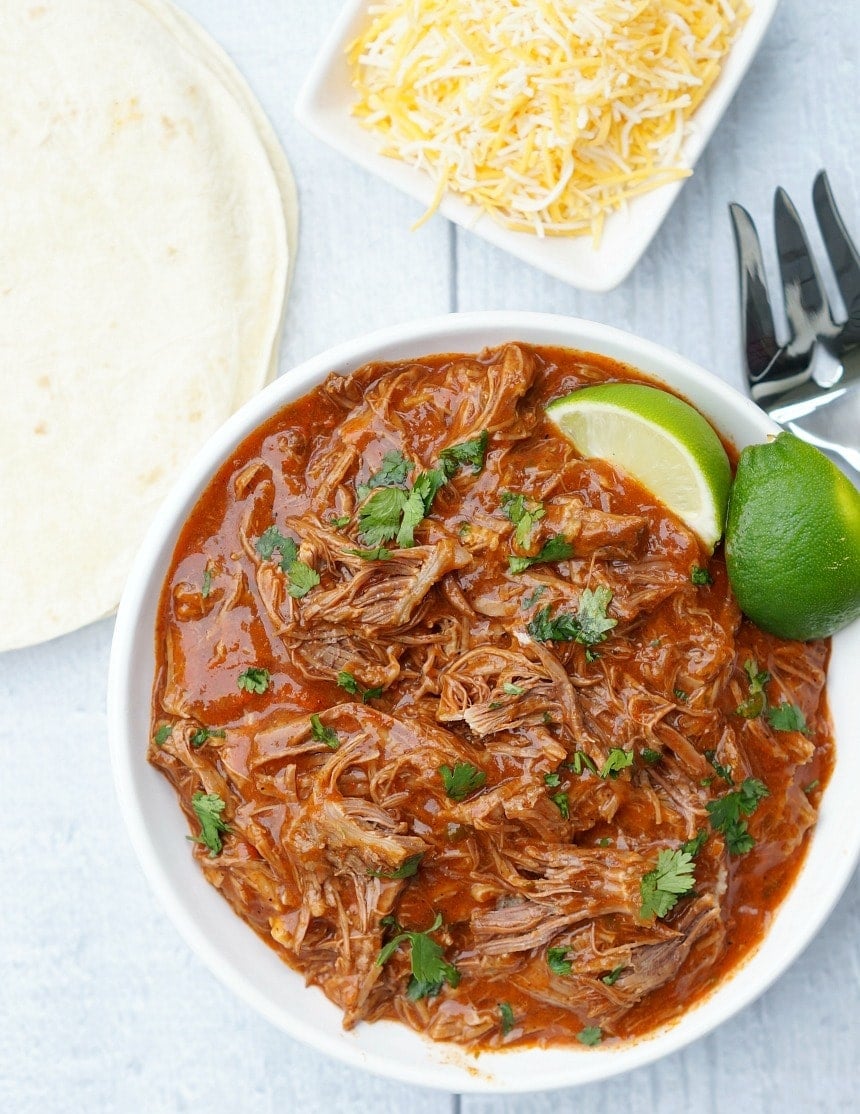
(545,114)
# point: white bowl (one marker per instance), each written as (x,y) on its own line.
(324,105)
(239,957)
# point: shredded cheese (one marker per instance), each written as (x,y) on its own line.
(545,114)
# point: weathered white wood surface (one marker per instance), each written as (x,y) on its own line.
(102,1006)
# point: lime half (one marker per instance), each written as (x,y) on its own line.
(793,540)
(658,440)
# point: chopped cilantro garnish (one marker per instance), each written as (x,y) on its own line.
(531,600)
(700,576)
(378,554)
(393,472)
(512,690)
(590,1035)
(557,961)
(208,808)
(379,518)
(407,869)
(786,717)
(163,734)
(561,803)
(590,624)
(680,695)
(506,1017)
(693,846)
(591,655)
(612,978)
(324,734)
(462,780)
(340,521)
(661,887)
(468,452)
(604,841)
(725,772)
(429,969)
(348,682)
(557,548)
(616,761)
(727,811)
(813,785)
(203,734)
(552,780)
(206,584)
(254,680)
(756,702)
(652,757)
(301,577)
(580,761)
(523,513)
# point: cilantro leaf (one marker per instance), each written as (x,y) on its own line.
(407,868)
(348,682)
(693,846)
(254,680)
(378,554)
(652,757)
(429,970)
(393,472)
(563,628)
(552,780)
(203,734)
(206,585)
(756,702)
(468,452)
(208,808)
(612,978)
(426,486)
(557,548)
(580,762)
(594,624)
(557,961)
(379,518)
(340,521)
(561,803)
(590,1035)
(302,578)
(661,887)
(462,780)
(163,734)
(725,772)
(727,811)
(506,1016)
(512,690)
(786,717)
(530,601)
(524,514)
(700,576)
(324,734)
(413,513)
(616,761)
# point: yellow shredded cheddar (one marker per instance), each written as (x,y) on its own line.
(545,114)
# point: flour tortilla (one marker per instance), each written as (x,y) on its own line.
(144,264)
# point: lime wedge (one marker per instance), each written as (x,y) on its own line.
(660,441)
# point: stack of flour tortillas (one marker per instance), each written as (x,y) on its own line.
(147,220)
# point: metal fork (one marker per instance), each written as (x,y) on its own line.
(810,384)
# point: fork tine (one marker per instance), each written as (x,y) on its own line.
(759,334)
(805,304)
(843,254)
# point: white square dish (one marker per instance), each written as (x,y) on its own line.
(324,104)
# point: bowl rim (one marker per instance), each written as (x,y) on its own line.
(322,107)
(441,1068)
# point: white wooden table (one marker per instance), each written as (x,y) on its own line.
(102,1006)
